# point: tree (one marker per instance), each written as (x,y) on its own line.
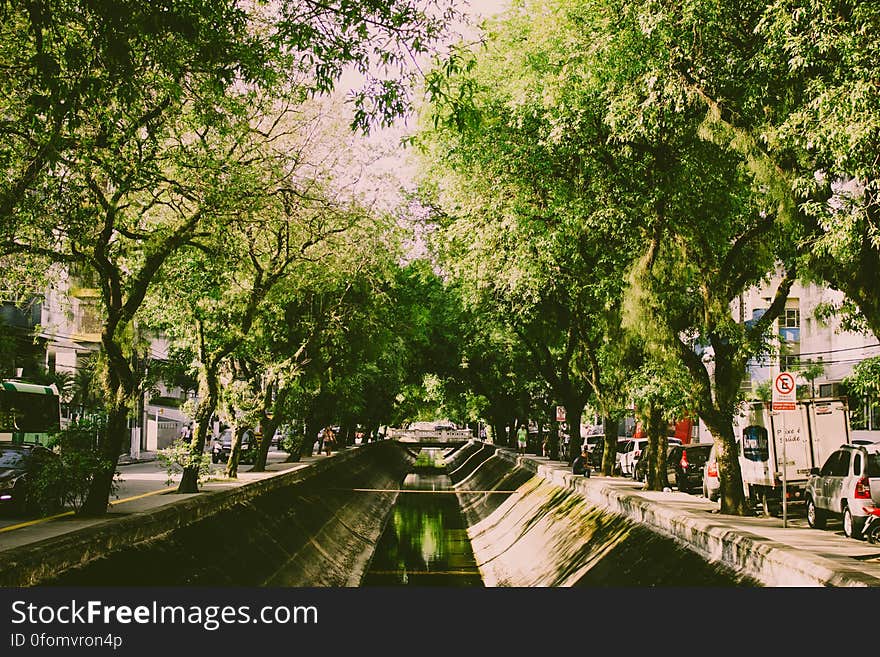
(112,136)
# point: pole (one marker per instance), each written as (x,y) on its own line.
(784,480)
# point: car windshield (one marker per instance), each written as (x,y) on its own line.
(13,458)
(873,466)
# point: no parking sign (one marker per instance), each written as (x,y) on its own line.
(784,392)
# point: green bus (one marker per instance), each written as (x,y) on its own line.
(29,413)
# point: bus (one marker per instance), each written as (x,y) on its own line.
(29,413)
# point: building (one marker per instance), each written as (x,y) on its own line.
(821,352)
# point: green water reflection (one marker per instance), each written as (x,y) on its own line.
(425,542)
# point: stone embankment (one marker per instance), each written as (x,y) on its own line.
(546,533)
(558,529)
(311,527)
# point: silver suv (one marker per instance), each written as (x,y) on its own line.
(847,483)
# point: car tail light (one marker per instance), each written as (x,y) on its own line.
(863,489)
(684,459)
(637,454)
(712,469)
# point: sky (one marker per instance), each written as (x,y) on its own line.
(395,162)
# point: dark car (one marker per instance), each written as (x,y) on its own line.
(684,466)
(222,446)
(687,461)
(18,465)
(640,471)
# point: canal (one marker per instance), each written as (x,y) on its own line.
(425,542)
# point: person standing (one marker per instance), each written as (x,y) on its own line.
(522,439)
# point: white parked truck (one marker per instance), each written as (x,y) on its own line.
(805,436)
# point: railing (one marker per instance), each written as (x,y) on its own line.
(430,435)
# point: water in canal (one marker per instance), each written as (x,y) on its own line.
(425,542)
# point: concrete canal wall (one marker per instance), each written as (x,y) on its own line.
(558,529)
(308,527)
(545,533)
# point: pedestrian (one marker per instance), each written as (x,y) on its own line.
(329,440)
(522,439)
(581,464)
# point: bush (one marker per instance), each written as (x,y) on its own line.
(178,456)
(293,443)
(65,481)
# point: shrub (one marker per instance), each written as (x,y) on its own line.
(178,456)
(65,481)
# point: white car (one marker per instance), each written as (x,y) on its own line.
(846,486)
(628,452)
(711,483)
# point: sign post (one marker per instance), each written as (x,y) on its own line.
(560,413)
(784,401)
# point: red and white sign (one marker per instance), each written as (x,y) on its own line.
(560,413)
(784,392)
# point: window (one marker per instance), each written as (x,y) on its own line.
(791,318)
(857,464)
(837,465)
(789,363)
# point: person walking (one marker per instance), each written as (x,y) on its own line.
(522,439)
(329,440)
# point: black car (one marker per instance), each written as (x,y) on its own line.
(18,465)
(687,461)
(684,466)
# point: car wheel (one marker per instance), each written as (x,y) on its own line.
(681,484)
(815,516)
(852,527)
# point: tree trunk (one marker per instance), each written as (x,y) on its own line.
(574,410)
(209,394)
(657,443)
(119,383)
(268,427)
(110,445)
(733,499)
(609,453)
(311,435)
(235,451)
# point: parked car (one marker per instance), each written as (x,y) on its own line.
(847,484)
(628,452)
(18,465)
(597,452)
(685,465)
(711,482)
(640,469)
(222,446)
